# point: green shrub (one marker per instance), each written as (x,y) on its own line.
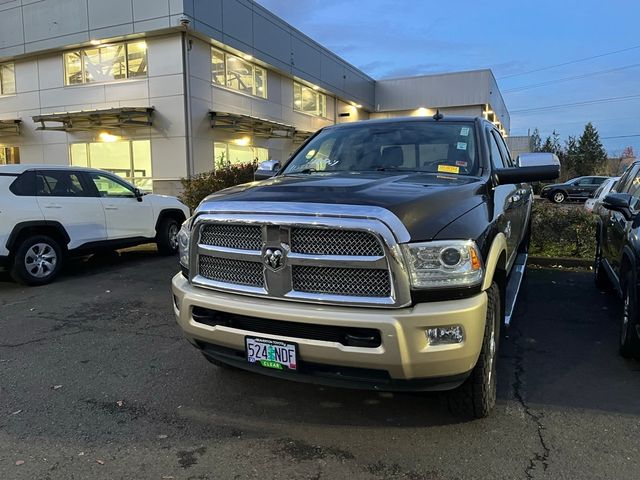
(204,184)
(562,231)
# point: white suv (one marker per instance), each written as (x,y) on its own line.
(48,212)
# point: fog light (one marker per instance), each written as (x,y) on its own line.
(445,335)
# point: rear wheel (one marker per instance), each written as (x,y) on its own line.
(558,197)
(167,236)
(37,260)
(476,397)
(629,331)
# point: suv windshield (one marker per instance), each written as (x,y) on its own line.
(419,146)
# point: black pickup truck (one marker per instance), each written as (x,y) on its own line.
(384,254)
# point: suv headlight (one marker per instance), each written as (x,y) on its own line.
(184,238)
(443,264)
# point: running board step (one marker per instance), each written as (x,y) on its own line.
(513,286)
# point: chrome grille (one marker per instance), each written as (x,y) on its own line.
(342,281)
(236,272)
(241,237)
(322,241)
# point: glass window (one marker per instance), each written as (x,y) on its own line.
(235,73)
(226,154)
(9,155)
(129,160)
(25,185)
(496,156)
(7,79)
(309,101)
(504,151)
(110,187)
(217,67)
(623,184)
(427,147)
(106,63)
(59,183)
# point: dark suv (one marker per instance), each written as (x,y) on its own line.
(579,188)
(618,254)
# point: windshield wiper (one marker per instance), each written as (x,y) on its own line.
(304,171)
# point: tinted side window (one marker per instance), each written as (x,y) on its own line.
(59,183)
(585,181)
(625,182)
(504,150)
(496,156)
(24,185)
(598,180)
(110,187)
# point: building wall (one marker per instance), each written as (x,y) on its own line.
(470,110)
(455,89)
(40,89)
(518,145)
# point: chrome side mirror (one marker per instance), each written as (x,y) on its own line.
(267,169)
(532,167)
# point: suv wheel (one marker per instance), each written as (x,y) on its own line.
(629,334)
(558,197)
(600,275)
(476,397)
(167,236)
(37,260)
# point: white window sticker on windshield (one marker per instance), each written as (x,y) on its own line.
(462,146)
(464,132)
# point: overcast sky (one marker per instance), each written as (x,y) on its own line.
(388,38)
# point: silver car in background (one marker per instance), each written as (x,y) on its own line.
(594,202)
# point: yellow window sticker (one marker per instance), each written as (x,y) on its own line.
(448,169)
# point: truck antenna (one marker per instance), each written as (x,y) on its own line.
(438,115)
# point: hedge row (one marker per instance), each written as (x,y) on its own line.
(198,187)
(562,231)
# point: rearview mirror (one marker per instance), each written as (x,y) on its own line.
(619,202)
(532,167)
(267,169)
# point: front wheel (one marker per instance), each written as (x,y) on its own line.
(476,397)
(167,236)
(629,329)
(37,261)
(558,197)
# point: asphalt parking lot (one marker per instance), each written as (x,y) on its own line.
(96,382)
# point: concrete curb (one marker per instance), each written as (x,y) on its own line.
(555,262)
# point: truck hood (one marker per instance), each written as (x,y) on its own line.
(424,203)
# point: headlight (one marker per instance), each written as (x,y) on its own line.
(184,237)
(443,264)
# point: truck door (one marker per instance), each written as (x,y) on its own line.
(508,201)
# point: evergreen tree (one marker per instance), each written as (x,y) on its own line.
(536,141)
(570,157)
(592,157)
(552,144)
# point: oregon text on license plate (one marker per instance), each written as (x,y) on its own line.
(271,353)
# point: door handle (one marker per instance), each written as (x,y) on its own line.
(111,208)
(53,206)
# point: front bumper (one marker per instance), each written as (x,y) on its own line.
(403,361)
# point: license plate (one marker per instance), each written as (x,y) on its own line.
(272,353)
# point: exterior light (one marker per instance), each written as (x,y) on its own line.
(357,105)
(445,335)
(95,42)
(108,138)
(247,57)
(315,87)
(242,142)
(422,112)
(489,112)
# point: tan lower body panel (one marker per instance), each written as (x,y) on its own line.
(404,353)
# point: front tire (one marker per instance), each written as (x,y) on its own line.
(476,397)
(629,331)
(37,261)
(558,197)
(167,236)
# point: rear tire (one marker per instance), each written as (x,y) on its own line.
(476,397)
(558,197)
(629,334)
(167,236)
(36,261)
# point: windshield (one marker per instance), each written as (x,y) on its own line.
(428,147)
